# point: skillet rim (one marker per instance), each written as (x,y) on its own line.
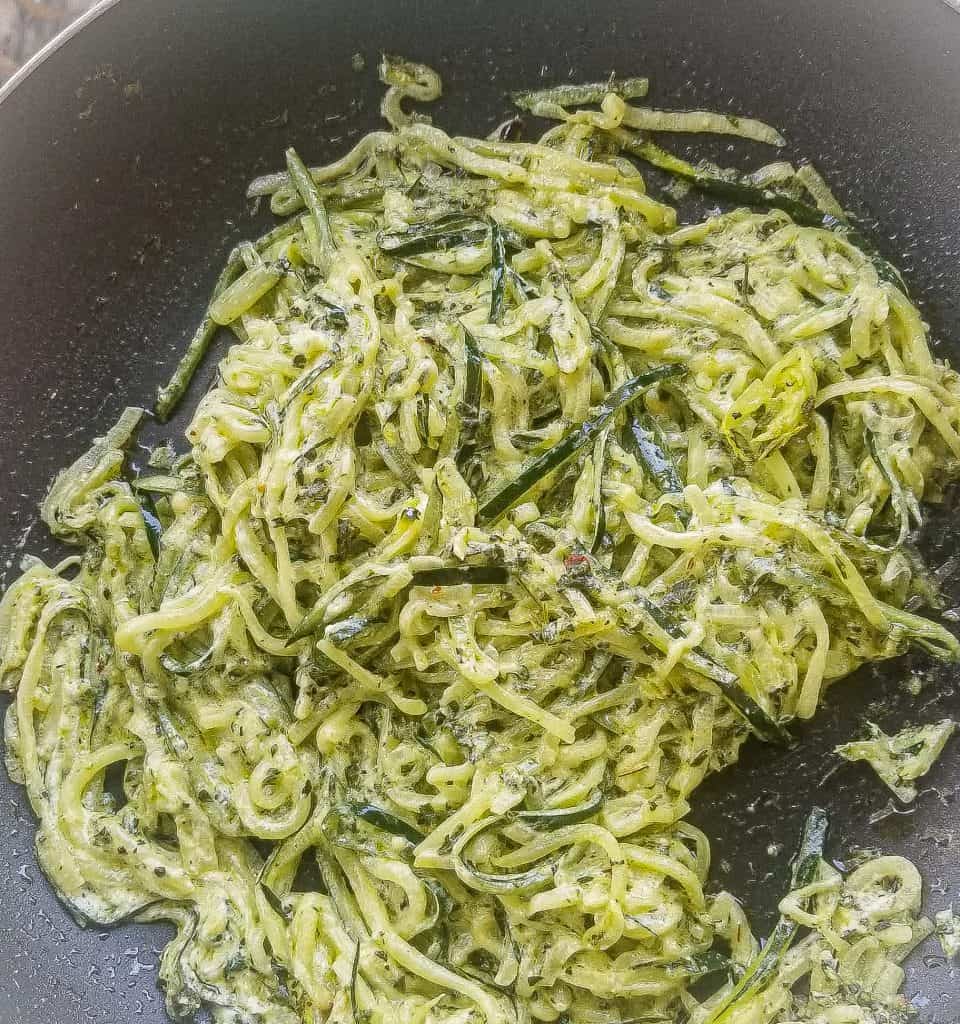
(49,49)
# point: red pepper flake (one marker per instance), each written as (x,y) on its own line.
(572,561)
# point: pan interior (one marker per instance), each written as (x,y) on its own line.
(124,159)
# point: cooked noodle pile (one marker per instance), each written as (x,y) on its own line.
(514,509)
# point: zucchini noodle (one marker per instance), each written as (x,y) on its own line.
(902,759)
(514,509)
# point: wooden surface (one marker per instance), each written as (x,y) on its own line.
(25,25)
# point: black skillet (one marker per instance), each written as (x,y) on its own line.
(123,157)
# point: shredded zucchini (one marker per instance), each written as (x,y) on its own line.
(514,510)
(902,759)
(947,928)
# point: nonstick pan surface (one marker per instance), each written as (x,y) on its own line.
(124,153)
